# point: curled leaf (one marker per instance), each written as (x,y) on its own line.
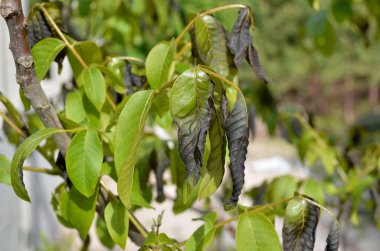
(214,171)
(191,107)
(236,126)
(333,237)
(300,223)
(240,38)
(241,45)
(253,60)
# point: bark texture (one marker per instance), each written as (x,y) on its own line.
(11,11)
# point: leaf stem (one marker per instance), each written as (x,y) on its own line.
(220,77)
(41,170)
(165,86)
(137,224)
(131,59)
(62,36)
(321,207)
(254,210)
(208,12)
(11,124)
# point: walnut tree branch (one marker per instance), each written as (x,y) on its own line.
(11,11)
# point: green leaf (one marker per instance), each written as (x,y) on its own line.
(323,33)
(74,109)
(129,130)
(84,159)
(314,190)
(200,239)
(44,52)
(22,152)
(210,45)
(300,223)
(158,64)
(81,211)
(103,235)
(116,217)
(112,79)
(89,52)
(59,202)
(237,132)
(256,233)
(94,86)
(214,171)
(203,236)
(281,188)
(191,107)
(5,170)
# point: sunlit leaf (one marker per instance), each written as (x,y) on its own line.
(116,217)
(158,63)
(22,152)
(256,233)
(191,107)
(300,223)
(89,52)
(44,52)
(84,159)
(210,45)
(129,130)
(94,86)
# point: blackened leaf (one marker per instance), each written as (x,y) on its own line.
(240,39)
(300,223)
(253,60)
(236,126)
(210,45)
(333,237)
(160,161)
(131,80)
(214,171)
(191,107)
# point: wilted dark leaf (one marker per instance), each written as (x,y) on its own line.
(333,238)
(213,174)
(191,107)
(241,44)
(300,223)
(236,126)
(159,161)
(253,60)
(240,38)
(133,81)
